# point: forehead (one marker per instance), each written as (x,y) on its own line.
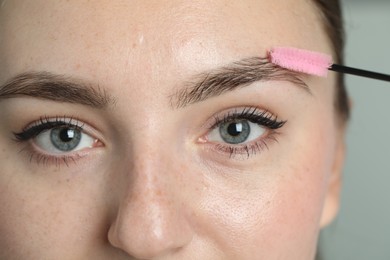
(150,35)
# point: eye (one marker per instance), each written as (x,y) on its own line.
(57,140)
(244,131)
(236,131)
(63,139)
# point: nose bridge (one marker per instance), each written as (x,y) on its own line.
(151,219)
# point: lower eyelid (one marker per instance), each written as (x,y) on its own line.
(35,154)
(255,147)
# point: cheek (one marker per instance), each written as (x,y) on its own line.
(22,217)
(302,190)
(38,215)
(299,206)
(278,213)
(267,221)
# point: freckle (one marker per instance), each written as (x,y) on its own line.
(158,192)
(77,66)
(134,45)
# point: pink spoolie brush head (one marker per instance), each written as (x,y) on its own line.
(298,60)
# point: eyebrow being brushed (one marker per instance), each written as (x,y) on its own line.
(60,88)
(235,75)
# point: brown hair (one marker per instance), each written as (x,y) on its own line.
(333,25)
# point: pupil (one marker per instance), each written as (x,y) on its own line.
(66,135)
(234,129)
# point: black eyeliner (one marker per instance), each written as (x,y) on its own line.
(252,114)
(42,125)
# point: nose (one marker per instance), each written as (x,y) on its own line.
(151,220)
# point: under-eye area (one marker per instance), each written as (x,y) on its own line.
(242,132)
(57,140)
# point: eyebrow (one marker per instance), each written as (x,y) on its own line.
(235,75)
(60,88)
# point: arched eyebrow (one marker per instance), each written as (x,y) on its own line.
(235,75)
(60,88)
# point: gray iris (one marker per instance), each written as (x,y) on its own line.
(235,132)
(65,139)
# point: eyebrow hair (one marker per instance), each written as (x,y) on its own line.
(60,88)
(235,75)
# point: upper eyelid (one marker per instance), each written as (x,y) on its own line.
(35,130)
(55,121)
(236,112)
(71,121)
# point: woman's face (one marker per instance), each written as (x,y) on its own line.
(141,132)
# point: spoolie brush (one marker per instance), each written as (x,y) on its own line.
(315,63)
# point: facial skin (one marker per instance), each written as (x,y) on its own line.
(155,183)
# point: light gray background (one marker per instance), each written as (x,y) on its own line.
(362,229)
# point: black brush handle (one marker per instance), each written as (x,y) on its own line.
(359,72)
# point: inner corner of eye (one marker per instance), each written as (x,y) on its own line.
(203,139)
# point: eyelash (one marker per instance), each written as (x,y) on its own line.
(262,118)
(45,124)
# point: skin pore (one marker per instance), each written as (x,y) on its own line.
(154,179)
